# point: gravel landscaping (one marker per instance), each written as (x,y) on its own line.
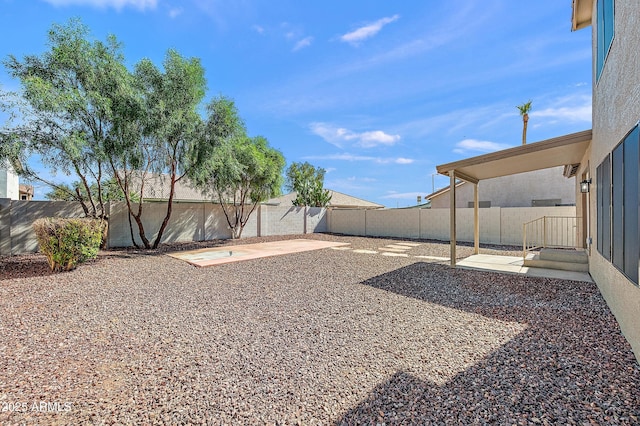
(320,337)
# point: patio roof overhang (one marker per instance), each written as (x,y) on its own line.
(567,150)
(560,151)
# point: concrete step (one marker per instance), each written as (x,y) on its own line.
(537,262)
(569,256)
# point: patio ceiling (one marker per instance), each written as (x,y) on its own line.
(560,151)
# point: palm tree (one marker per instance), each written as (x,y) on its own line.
(524,112)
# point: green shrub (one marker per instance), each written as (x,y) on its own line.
(68,242)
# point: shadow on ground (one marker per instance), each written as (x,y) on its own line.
(570,365)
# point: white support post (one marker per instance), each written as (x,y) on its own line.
(476,221)
(452,215)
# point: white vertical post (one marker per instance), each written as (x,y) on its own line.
(476,221)
(452,215)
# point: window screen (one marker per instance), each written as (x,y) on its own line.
(481,204)
(617,205)
(631,205)
(617,210)
(605,30)
(604,208)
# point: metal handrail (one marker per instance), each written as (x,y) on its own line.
(551,231)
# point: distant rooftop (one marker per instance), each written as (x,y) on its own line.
(338,201)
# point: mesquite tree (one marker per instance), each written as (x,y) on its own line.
(63,112)
(158,131)
(242,172)
(308,182)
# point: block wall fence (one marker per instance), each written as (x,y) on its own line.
(498,225)
(206,221)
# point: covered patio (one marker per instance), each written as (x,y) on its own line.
(568,150)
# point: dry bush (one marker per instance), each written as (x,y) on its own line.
(68,242)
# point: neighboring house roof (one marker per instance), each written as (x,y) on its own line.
(426,205)
(442,191)
(26,190)
(338,201)
(158,186)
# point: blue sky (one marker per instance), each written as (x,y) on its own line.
(376,92)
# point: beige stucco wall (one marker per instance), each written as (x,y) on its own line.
(497,225)
(616,109)
(515,190)
(189,222)
(17,217)
(9,185)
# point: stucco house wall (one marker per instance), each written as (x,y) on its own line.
(9,186)
(515,190)
(616,110)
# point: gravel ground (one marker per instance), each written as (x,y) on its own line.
(320,337)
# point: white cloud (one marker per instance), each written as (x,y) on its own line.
(355,37)
(175,12)
(116,4)
(470,145)
(363,179)
(579,111)
(338,136)
(301,44)
(402,160)
(352,157)
(403,195)
(259,29)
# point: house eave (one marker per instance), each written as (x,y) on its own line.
(582,14)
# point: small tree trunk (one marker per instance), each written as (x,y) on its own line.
(525,120)
(82,203)
(169,205)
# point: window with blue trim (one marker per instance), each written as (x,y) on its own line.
(617,205)
(605,11)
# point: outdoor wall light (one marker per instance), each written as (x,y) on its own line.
(584,186)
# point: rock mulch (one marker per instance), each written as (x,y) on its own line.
(321,337)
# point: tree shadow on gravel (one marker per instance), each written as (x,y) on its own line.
(32,265)
(24,266)
(570,365)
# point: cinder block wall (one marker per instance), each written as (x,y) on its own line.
(347,221)
(206,221)
(403,223)
(497,225)
(17,217)
(188,222)
(279,220)
(317,220)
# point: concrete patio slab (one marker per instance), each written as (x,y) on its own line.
(388,253)
(436,258)
(228,254)
(394,250)
(514,265)
(398,246)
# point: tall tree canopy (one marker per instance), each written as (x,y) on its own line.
(64,111)
(83,112)
(242,172)
(308,181)
(158,131)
